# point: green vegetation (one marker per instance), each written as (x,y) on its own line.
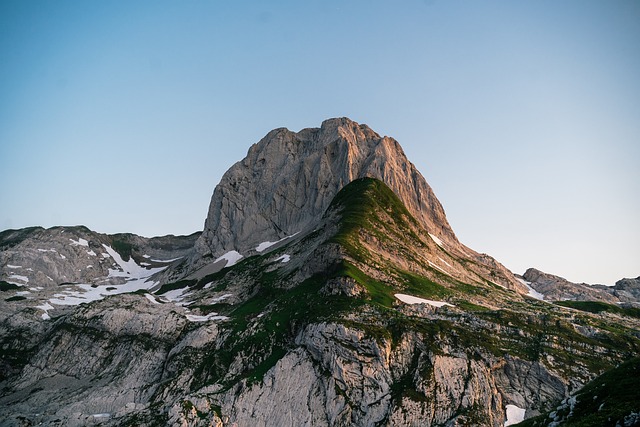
(122,247)
(180,284)
(6,286)
(599,307)
(263,328)
(10,238)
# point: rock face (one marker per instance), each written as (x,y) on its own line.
(78,255)
(557,288)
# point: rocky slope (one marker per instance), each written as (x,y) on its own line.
(365,317)
(555,288)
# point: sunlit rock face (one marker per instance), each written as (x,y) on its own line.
(287,181)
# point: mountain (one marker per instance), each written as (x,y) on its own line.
(327,289)
(287,181)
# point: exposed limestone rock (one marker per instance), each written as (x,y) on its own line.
(557,288)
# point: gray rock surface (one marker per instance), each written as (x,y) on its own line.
(556,288)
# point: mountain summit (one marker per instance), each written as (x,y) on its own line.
(287,181)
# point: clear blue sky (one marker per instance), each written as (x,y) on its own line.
(524,116)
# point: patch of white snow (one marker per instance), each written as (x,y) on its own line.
(266,245)
(532,292)
(410,299)
(105,415)
(435,239)
(91,253)
(210,316)
(152,298)
(515,415)
(284,258)
(45,307)
(18,277)
(167,260)
(220,298)
(232,258)
(13,266)
(441,269)
(79,242)
(445,262)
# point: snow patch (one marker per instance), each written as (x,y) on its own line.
(515,415)
(167,260)
(45,307)
(232,258)
(284,258)
(438,268)
(129,268)
(47,250)
(91,253)
(79,242)
(266,245)
(105,415)
(175,295)
(136,276)
(219,299)
(532,292)
(409,299)
(210,316)
(13,266)
(151,298)
(25,279)
(435,239)
(445,262)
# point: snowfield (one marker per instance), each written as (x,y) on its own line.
(515,415)
(532,292)
(232,258)
(410,299)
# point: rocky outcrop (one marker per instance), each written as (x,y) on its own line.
(40,257)
(626,290)
(556,288)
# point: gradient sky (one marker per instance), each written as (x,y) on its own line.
(524,116)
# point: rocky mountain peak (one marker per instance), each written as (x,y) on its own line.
(288,179)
